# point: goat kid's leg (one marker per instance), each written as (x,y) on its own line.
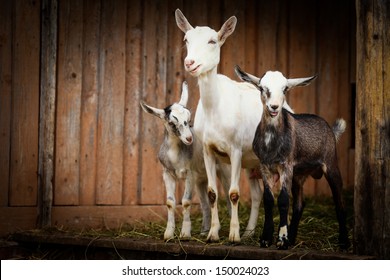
(268,228)
(234,195)
(298,206)
(170,186)
(333,176)
(186,203)
(210,163)
(256,196)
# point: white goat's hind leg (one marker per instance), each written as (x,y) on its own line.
(234,195)
(170,186)
(201,188)
(211,171)
(186,203)
(256,196)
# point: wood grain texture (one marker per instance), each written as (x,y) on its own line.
(25,103)
(372,165)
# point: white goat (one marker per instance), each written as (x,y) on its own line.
(290,148)
(226,119)
(182,158)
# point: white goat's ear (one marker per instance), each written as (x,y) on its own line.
(227,29)
(246,77)
(299,82)
(184,94)
(182,22)
(151,110)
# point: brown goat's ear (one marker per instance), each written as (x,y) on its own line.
(246,77)
(151,110)
(300,82)
(227,29)
(182,21)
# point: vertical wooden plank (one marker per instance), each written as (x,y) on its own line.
(372,169)
(67,174)
(252,51)
(5,96)
(111,103)
(302,61)
(25,103)
(344,89)
(131,154)
(154,54)
(47,108)
(328,67)
(233,50)
(89,101)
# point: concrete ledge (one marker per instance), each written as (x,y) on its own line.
(129,248)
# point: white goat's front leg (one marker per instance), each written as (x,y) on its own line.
(170,186)
(186,203)
(234,195)
(210,164)
(256,197)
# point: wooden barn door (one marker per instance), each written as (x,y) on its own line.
(19,112)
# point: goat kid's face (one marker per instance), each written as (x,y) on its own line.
(273,87)
(203,44)
(176,117)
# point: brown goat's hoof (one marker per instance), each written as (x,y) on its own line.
(282,243)
(265,243)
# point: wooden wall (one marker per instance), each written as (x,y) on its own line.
(112,54)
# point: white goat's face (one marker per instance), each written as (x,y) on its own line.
(203,44)
(273,86)
(203,50)
(176,117)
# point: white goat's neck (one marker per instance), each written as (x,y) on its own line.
(208,88)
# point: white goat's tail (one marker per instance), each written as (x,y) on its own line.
(338,128)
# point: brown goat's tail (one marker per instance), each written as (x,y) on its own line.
(339,128)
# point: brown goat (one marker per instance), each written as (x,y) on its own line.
(290,148)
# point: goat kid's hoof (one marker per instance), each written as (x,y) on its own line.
(265,243)
(282,243)
(185,236)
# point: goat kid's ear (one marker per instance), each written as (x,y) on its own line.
(300,82)
(182,22)
(151,110)
(227,29)
(246,77)
(184,95)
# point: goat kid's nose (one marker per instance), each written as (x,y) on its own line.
(189,62)
(189,139)
(274,107)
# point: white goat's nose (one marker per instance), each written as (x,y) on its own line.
(189,139)
(274,107)
(189,62)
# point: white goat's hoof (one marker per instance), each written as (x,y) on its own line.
(213,237)
(234,237)
(169,234)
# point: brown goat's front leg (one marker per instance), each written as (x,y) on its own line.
(268,229)
(285,172)
(283,205)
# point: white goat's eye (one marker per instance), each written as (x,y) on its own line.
(212,42)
